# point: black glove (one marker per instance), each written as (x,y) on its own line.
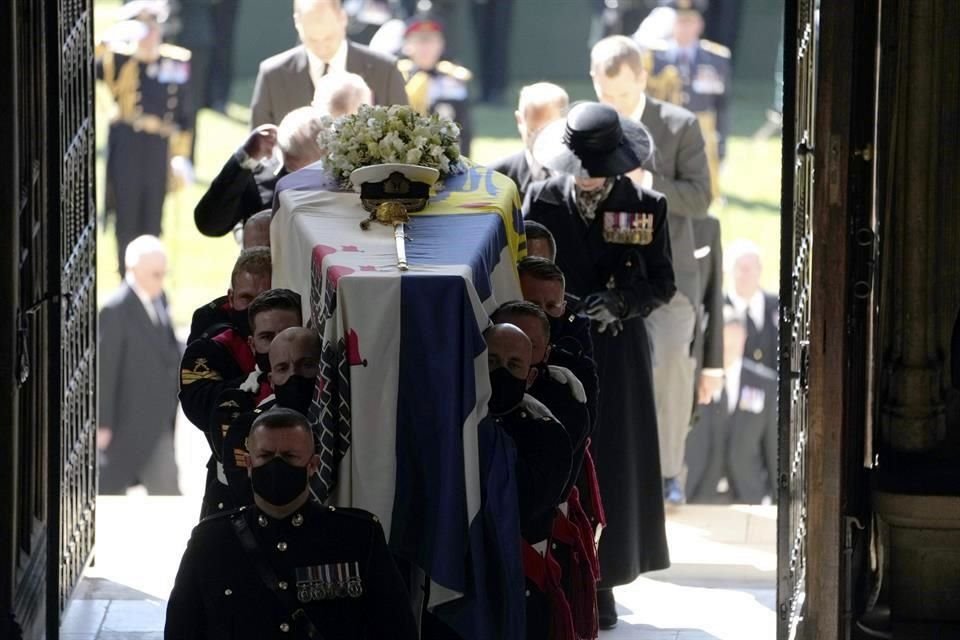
(606,308)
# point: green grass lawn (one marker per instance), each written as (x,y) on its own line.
(200,266)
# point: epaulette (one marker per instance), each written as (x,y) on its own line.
(759,369)
(715,48)
(174,52)
(360,514)
(454,70)
(223,514)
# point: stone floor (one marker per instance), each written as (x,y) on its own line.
(721,585)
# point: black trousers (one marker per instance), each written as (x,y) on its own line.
(491,19)
(136,183)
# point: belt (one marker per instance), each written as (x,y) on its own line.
(151,124)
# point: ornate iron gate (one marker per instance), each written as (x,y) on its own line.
(799,108)
(48,242)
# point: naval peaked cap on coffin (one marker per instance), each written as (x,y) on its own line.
(594,141)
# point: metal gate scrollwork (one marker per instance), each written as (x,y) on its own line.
(48,249)
(800,68)
(73,457)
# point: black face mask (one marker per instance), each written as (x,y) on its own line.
(240,322)
(278,482)
(263,361)
(296,393)
(507,391)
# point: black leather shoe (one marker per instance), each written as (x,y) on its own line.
(606,609)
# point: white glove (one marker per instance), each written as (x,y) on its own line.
(567,377)
(182,170)
(252,383)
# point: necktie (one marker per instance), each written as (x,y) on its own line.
(160,317)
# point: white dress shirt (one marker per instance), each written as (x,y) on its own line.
(753,308)
(145,300)
(319,68)
(733,385)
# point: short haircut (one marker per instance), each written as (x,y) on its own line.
(299,6)
(542,94)
(297,134)
(610,54)
(517,308)
(273,300)
(340,94)
(142,246)
(739,248)
(281,418)
(255,261)
(540,269)
(536,231)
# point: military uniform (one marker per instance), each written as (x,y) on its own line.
(152,123)
(212,372)
(216,312)
(443,91)
(544,459)
(698,79)
(331,566)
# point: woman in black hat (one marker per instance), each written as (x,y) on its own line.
(614,249)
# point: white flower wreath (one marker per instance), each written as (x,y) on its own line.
(395,134)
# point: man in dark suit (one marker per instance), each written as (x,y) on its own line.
(287,80)
(139,355)
(760,308)
(540,104)
(708,347)
(751,394)
(679,171)
(735,436)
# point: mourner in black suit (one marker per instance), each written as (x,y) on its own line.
(679,171)
(736,436)
(246,183)
(761,309)
(287,80)
(540,104)
(288,565)
(139,356)
(614,249)
(152,129)
(708,349)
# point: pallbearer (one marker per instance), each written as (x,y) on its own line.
(288,566)
(614,249)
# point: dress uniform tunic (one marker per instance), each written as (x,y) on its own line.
(443,91)
(625,440)
(333,565)
(698,79)
(152,123)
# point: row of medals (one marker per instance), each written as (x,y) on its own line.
(347,583)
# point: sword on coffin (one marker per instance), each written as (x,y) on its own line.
(390,192)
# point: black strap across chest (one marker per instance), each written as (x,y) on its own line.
(269,577)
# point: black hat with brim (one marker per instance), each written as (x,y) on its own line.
(593,142)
